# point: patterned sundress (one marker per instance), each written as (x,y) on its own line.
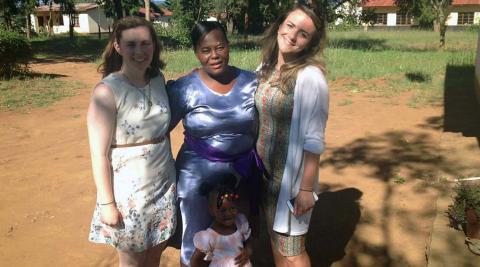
(275,110)
(143,176)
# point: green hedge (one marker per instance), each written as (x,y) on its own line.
(15,51)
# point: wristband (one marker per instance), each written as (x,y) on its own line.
(108,203)
(301,189)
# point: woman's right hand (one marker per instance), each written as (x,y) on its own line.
(110,215)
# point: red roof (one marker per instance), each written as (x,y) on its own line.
(390,3)
(80,7)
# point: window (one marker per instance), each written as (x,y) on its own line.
(381,18)
(41,23)
(404,19)
(465,18)
(75,20)
(60,19)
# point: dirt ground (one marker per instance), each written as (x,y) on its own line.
(385,165)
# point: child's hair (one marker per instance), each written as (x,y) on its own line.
(225,189)
(112,61)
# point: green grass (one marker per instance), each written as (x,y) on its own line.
(86,46)
(27,93)
(386,63)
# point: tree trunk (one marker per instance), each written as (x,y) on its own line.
(50,20)
(29,25)
(70,27)
(442,20)
(147,10)
(118,9)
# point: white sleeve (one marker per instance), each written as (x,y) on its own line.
(314,108)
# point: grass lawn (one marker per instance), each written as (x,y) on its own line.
(34,92)
(385,63)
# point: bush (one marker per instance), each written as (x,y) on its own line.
(175,35)
(15,51)
(467,196)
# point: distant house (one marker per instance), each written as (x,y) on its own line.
(462,12)
(87,20)
(161,16)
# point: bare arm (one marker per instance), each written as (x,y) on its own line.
(101,118)
(197,259)
(304,200)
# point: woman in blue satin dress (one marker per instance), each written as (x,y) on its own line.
(216,104)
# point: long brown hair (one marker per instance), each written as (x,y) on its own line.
(289,71)
(112,61)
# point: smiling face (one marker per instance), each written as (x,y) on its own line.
(295,34)
(226,214)
(136,48)
(213,53)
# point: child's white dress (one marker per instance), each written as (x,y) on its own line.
(221,250)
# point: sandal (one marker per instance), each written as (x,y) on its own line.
(473,245)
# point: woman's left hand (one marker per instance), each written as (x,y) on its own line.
(303,203)
(244,256)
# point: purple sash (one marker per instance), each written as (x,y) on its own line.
(247,164)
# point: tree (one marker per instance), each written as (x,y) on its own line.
(438,9)
(147,10)
(8,10)
(28,6)
(68,7)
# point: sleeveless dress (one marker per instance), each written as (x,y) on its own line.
(227,122)
(221,250)
(143,176)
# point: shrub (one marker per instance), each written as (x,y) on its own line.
(175,35)
(15,51)
(467,196)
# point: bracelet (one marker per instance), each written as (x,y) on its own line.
(301,189)
(105,204)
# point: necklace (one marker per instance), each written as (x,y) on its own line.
(149,98)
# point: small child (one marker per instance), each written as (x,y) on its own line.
(225,242)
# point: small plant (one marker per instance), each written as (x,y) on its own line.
(467,196)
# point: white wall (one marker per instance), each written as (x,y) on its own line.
(97,16)
(34,21)
(452,19)
(476,18)
(391,19)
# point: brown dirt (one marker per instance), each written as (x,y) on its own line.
(383,170)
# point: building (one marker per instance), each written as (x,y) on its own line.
(462,13)
(88,19)
(158,14)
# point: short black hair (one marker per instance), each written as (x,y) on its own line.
(226,185)
(202,28)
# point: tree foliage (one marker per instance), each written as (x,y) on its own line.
(428,10)
(15,51)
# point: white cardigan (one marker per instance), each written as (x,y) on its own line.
(309,117)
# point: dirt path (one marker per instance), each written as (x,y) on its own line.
(381,174)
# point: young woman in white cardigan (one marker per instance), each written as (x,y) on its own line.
(292,101)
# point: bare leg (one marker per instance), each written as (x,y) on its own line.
(279,259)
(302,260)
(152,258)
(131,259)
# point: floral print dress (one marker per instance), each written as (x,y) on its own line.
(143,176)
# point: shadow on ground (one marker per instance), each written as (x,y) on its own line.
(333,223)
(461,109)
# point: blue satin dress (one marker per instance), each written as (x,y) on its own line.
(225,121)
